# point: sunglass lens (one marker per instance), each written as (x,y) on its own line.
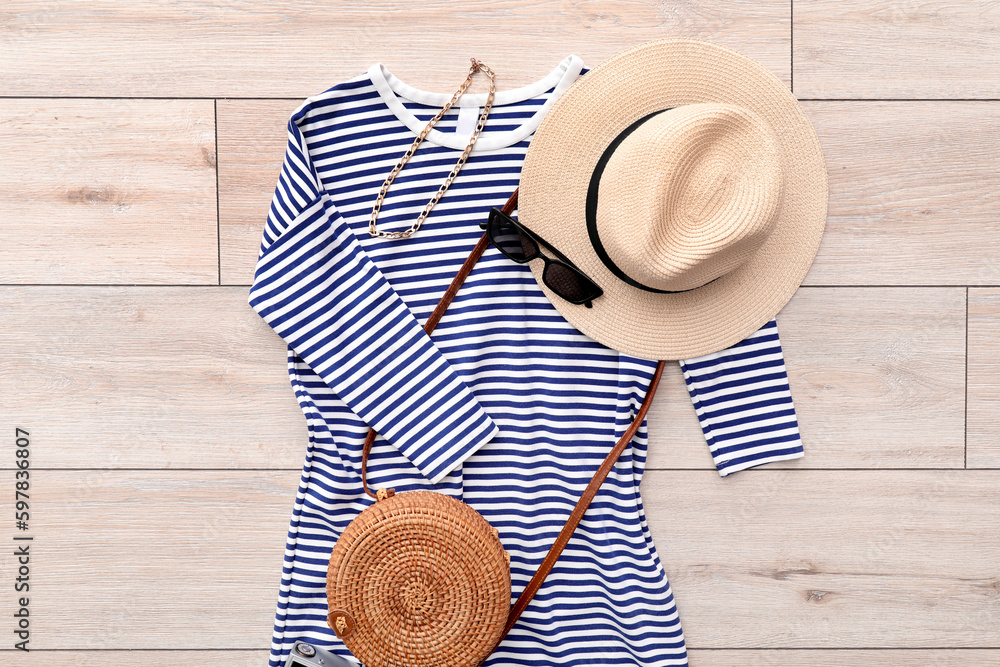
(511,241)
(569,284)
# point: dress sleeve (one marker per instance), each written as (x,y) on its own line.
(744,404)
(318,289)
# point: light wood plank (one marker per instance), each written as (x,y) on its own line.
(291,49)
(108,191)
(145,376)
(155,560)
(252,141)
(132,658)
(877,377)
(845,658)
(162,377)
(984,378)
(889,49)
(914,193)
(786,559)
(831,558)
(882,383)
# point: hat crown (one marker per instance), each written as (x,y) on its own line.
(689,195)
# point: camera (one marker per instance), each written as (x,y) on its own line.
(307,655)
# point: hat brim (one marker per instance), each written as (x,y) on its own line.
(583,121)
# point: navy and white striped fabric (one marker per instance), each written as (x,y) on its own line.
(744,404)
(505,406)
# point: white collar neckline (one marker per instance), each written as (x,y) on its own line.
(391,88)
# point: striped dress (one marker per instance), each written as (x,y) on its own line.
(505,406)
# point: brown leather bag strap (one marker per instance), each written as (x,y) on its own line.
(435,317)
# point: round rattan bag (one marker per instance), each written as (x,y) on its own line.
(419,579)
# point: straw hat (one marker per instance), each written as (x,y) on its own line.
(685,180)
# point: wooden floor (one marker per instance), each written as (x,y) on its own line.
(140,144)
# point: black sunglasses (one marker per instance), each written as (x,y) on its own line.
(521,245)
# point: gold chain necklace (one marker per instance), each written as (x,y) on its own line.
(476,67)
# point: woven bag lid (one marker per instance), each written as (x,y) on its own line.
(419,578)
